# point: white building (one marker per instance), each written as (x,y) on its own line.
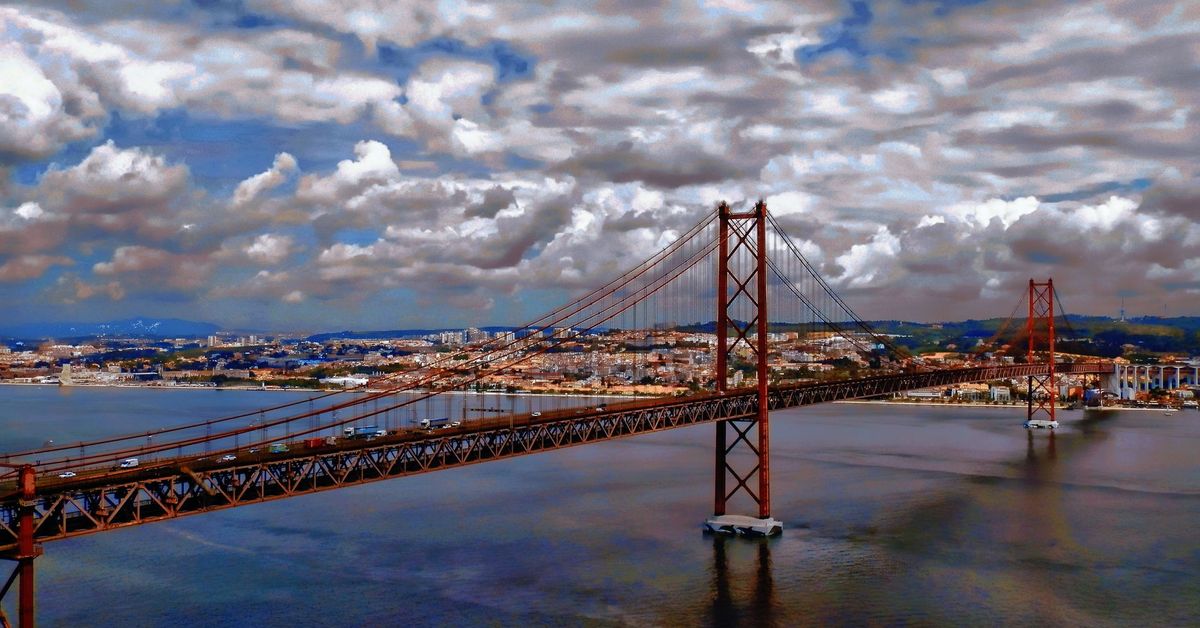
(347,381)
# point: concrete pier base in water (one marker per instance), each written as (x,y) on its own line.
(743,525)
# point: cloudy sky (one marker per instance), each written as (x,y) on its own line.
(330,164)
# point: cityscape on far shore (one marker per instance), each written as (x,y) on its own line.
(1157,360)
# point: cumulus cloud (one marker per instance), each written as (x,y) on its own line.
(25,267)
(113,180)
(70,288)
(1006,212)
(156,270)
(443,90)
(29,211)
(263,286)
(262,182)
(28,229)
(269,248)
(869,262)
(33,118)
(372,165)
(113,195)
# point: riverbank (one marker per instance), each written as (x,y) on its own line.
(179,387)
(357,391)
(1016,406)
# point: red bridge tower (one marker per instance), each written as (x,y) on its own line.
(743,241)
(1043,389)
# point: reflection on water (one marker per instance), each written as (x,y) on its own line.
(728,607)
(893,515)
(723,612)
(1034,469)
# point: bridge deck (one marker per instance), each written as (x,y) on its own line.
(99,500)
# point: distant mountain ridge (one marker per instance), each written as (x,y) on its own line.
(139,327)
(396,333)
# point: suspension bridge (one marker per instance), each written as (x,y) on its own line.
(714,280)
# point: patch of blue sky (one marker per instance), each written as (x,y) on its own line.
(361,237)
(1044,257)
(1135,185)
(532,252)
(83,260)
(942,8)
(851,35)
(517,162)
(522,308)
(33,289)
(904,190)
(29,172)
(86,257)
(218,152)
(222,152)
(234,13)
(847,35)
(306,243)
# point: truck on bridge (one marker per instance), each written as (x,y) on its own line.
(367,433)
(437,424)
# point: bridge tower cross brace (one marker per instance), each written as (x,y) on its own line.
(743,235)
(1043,389)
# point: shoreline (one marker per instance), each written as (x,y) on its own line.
(927,404)
(877,402)
(356,391)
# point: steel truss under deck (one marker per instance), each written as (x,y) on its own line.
(171,489)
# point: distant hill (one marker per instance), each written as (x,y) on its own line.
(140,327)
(394,333)
(1092,335)
(1087,335)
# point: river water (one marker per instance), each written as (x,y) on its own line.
(893,515)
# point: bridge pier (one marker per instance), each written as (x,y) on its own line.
(749,241)
(25,552)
